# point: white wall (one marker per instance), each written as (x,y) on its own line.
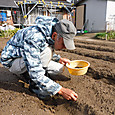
(110,15)
(96,14)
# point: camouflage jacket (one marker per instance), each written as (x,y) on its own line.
(29,43)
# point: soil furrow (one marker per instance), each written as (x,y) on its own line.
(107,56)
(98,69)
(95,42)
(95,47)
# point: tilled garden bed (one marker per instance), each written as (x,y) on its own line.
(95,89)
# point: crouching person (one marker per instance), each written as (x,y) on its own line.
(31,50)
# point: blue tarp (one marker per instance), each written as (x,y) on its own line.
(3,16)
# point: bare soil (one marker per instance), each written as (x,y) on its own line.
(96,89)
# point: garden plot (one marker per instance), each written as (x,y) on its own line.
(95,89)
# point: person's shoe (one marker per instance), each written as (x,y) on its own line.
(26,77)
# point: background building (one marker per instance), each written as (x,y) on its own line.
(95,15)
(24,12)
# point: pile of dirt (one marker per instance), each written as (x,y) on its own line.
(95,89)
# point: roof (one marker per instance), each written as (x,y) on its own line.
(78,1)
(11,3)
(45,0)
(8,3)
(54,2)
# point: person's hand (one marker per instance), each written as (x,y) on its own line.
(68,94)
(64,61)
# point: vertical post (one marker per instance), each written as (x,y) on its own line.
(106,30)
(19,19)
(25,12)
(24,6)
(114,23)
(51,7)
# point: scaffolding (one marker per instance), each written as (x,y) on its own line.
(49,6)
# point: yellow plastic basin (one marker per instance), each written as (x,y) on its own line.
(78,67)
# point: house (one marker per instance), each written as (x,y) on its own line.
(95,15)
(25,11)
(31,9)
(6,9)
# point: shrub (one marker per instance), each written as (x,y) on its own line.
(111,35)
(9,33)
(107,36)
(101,35)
